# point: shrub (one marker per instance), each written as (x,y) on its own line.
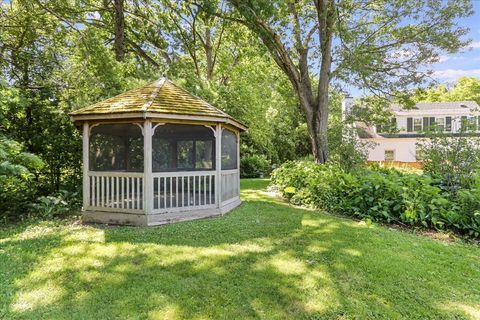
(347,150)
(453,160)
(17,189)
(380,194)
(49,207)
(255,166)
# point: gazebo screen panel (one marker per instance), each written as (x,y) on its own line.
(178,147)
(116,147)
(229,150)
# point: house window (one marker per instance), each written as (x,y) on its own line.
(440,124)
(417,124)
(472,123)
(409,124)
(448,124)
(428,122)
(389,155)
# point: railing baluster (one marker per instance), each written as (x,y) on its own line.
(102,191)
(107,202)
(134,193)
(159,192)
(165,193)
(183,193)
(94,190)
(97,189)
(210,188)
(138,194)
(171,183)
(176,191)
(116,192)
(194,190)
(122,192)
(188,191)
(127,196)
(204,190)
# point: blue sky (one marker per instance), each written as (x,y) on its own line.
(453,66)
(466,63)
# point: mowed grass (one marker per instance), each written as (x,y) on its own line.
(265,259)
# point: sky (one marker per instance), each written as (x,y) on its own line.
(467,63)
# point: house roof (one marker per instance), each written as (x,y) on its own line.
(438,107)
(161,98)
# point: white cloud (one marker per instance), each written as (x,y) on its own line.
(443,59)
(474,45)
(453,74)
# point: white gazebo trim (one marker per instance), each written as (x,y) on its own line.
(152,115)
(147,166)
(85,148)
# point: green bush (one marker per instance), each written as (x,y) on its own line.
(380,194)
(453,160)
(255,166)
(49,207)
(17,187)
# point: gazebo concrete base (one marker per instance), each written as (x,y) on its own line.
(132,219)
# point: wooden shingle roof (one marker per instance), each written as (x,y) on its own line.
(161,98)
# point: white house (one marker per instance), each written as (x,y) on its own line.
(411,124)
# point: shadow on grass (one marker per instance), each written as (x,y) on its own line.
(265,259)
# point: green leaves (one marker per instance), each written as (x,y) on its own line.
(379,194)
(17,169)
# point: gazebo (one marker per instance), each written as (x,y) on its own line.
(156,155)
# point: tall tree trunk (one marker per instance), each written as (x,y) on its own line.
(209,53)
(119,30)
(317,131)
(315,104)
(325,12)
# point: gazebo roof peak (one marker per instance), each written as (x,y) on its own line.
(161,98)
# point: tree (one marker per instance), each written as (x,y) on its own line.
(465,88)
(377,45)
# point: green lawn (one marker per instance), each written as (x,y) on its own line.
(265,259)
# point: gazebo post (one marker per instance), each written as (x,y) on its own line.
(147,168)
(238,160)
(218,164)
(86,165)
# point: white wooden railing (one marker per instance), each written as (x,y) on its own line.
(230,185)
(179,191)
(172,191)
(116,191)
